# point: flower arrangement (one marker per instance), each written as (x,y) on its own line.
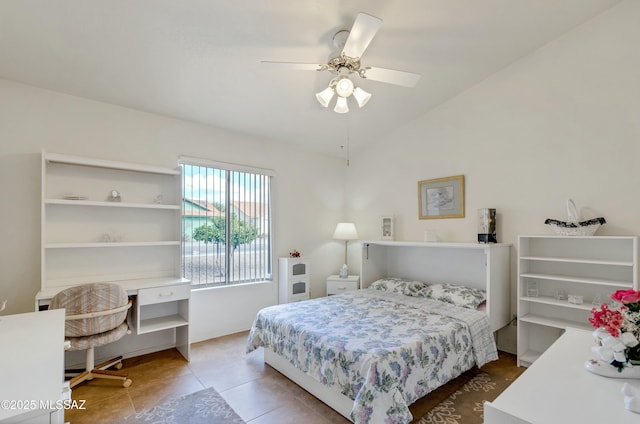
(294,254)
(618,330)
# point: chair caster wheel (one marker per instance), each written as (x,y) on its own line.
(127,383)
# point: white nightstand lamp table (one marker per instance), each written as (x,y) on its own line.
(337,284)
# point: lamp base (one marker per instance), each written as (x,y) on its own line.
(344,271)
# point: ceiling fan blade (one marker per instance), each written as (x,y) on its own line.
(294,65)
(390,76)
(363,30)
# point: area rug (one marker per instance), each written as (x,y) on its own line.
(466,404)
(202,407)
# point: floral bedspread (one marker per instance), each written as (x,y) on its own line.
(383,350)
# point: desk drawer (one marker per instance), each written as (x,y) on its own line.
(163,294)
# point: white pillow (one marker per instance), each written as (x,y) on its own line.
(458,295)
(398,285)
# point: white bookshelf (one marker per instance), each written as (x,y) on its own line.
(550,268)
(135,241)
(90,238)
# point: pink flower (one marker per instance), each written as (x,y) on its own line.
(626,296)
(606,318)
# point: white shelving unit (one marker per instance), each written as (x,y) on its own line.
(135,241)
(551,268)
(478,265)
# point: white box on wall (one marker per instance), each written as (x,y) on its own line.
(387,230)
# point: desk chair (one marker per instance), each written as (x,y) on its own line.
(96,315)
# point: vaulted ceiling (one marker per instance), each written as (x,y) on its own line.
(200,60)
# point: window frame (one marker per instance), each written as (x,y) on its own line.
(229,170)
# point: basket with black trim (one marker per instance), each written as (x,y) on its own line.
(573,227)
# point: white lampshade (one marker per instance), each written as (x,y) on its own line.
(344,87)
(325,96)
(362,97)
(341,105)
(345,231)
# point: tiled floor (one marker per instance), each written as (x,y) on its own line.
(255,391)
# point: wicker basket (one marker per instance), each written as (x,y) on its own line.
(573,227)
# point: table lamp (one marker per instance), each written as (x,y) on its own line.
(345,231)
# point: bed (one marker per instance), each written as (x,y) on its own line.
(370,353)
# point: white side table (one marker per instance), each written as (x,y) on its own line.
(557,388)
(32,375)
(337,285)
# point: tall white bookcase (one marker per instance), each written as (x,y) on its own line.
(108,221)
(560,279)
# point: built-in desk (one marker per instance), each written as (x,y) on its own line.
(159,304)
(32,367)
(557,388)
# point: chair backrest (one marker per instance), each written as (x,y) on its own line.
(91,298)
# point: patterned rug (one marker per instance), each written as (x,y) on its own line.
(203,407)
(465,405)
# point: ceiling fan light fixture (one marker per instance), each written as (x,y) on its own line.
(361,96)
(345,64)
(344,87)
(325,96)
(341,105)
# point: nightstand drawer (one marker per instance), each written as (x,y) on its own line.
(341,286)
(163,294)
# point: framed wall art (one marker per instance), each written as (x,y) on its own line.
(441,198)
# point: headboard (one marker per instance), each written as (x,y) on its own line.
(483,266)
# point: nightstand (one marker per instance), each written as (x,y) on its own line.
(294,279)
(337,285)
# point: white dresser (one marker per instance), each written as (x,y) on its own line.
(32,371)
(557,388)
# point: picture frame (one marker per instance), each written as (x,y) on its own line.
(387,231)
(441,198)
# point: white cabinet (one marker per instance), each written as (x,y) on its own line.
(337,285)
(108,221)
(32,357)
(557,389)
(161,308)
(555,273)
(294,276)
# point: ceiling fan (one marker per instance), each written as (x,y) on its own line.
(353,43)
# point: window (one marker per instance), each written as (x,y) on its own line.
(226,224)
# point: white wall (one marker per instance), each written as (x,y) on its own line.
(563,122)
(306,208)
